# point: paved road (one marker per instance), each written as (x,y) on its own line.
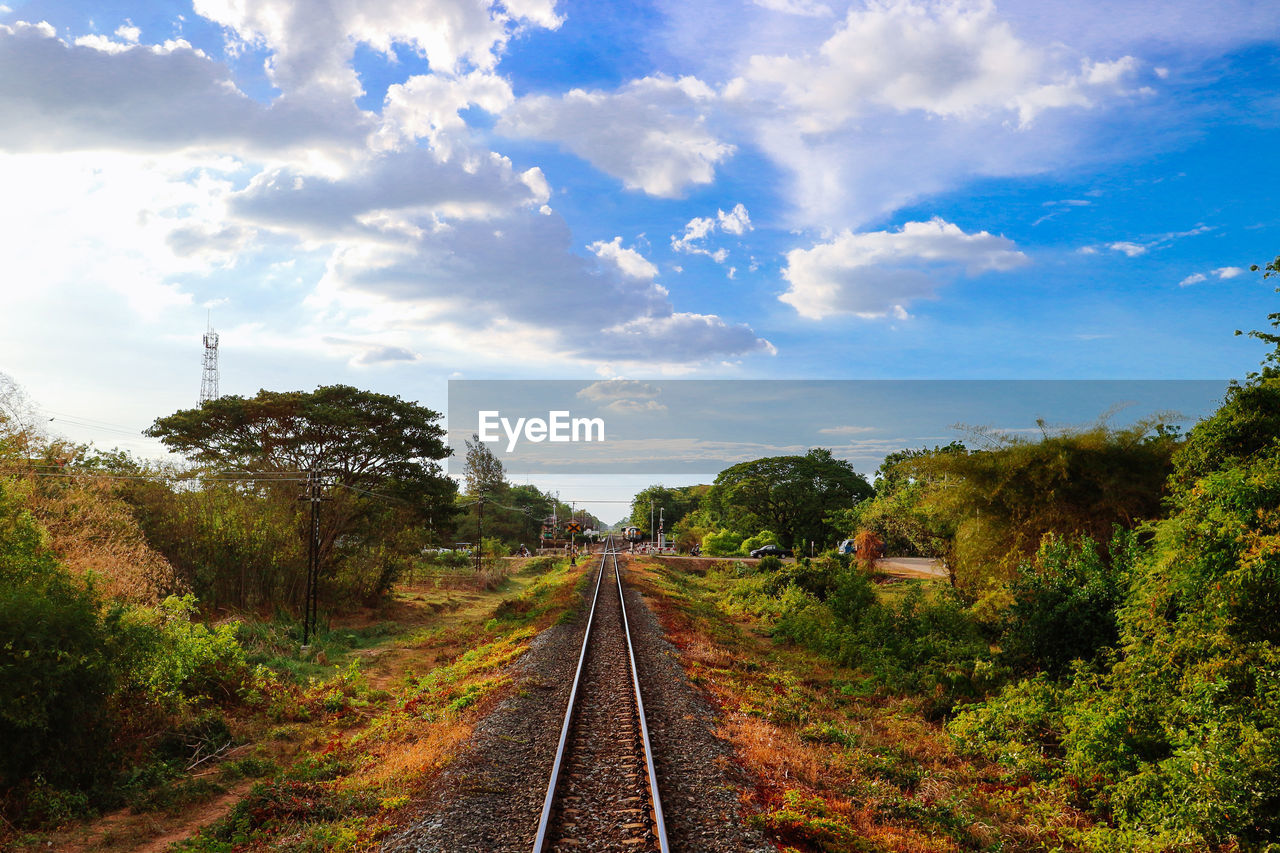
(914,567)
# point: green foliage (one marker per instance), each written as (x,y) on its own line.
(56,672)
(377,454)
(722,543)
(87,688)
(233,547)
(1003,501)
(1177,744)
(483,472)
(1065,601)
(791,495)
(179,662)
(924,643)
(769,564)
(676,503)
(764,537)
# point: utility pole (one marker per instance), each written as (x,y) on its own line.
(662,539)
(652,538)
(480,536)
(314,496)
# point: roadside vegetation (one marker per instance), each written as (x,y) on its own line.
(1101,673)
(150,640)
(1098,671)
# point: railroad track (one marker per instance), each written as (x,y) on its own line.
(603,792)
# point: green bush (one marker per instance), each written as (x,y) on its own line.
(764,537)
(722,543)
(1065,603)
(56,674)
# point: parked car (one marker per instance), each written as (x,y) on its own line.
(771,551)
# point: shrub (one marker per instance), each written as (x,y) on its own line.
(55,672)
(722,543)
(1064,603)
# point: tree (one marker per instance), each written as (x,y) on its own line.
(790,495)
(483,472)
(1002,501)
(677,503)
(379,452)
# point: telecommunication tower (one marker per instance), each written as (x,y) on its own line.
(209,379)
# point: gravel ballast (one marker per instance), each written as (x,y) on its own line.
(490,798)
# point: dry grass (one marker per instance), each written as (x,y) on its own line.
(834,767)
(93,532)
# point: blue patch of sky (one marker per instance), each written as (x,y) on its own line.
(378,72)
(599,46)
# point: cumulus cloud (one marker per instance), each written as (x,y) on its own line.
(128,32)
(98,94)
(946,59)
(619,389)
(427,106)
(876,274)
(629,261)
(651,134)
(312,44)
(699,229)
(1194,278)
(516,274)
(904,99)
(396,194)
(735,221)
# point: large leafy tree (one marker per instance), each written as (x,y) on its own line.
(789,495)
(379,454)
(676,504)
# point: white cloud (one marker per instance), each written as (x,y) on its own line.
(736,221)
(619,389)
(629,261)
(905,99)
(128,32)
(396,196)
(312,44)
(699,229)
(651,133)
(426,106)
(875,274)
(98,94)
(846,430)
(946,59)
(805,8)
(1133,250)
(1222,273)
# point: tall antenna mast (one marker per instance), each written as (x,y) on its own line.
(209,379)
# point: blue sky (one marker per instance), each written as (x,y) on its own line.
(394,194)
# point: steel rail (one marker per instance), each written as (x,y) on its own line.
(660,825)
(540,840)
(548,804)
